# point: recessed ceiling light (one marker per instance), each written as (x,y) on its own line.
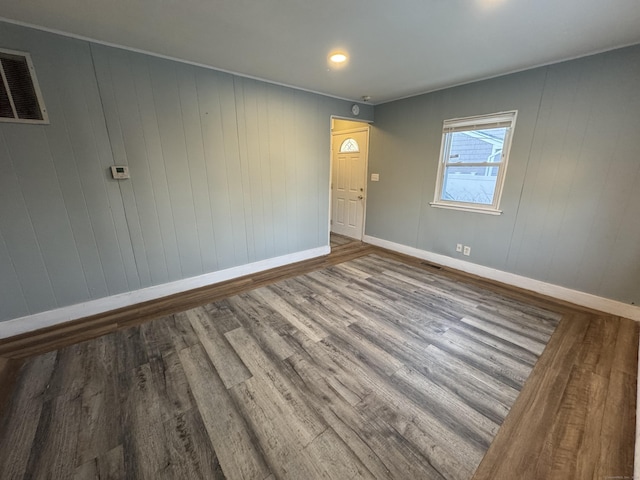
(338,57)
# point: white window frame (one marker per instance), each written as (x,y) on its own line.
(36,88)
(479,122)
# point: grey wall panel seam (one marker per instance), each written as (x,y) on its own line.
(206,167)
(106,217)
(268,156)
(245,188)
(184,133)
(82,191)
(578,156)
(32,234)
(148,165)
(167,184)
(35,236)
(91,219)
(69,222)
(533,136)
(15,272)
(110,142)
(133,190)
(64,202)
(225,161)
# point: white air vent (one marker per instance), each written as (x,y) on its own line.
(20,97)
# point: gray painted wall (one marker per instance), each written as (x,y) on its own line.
(224,171)
(571,199)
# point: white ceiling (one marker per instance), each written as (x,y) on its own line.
(397,47)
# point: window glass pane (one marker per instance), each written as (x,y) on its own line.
(24,96)
(470,184)
(477,146)
(349,145)
(5,106)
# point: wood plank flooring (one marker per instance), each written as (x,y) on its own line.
(340,240)
(584,399)
(69,333)
(377,366)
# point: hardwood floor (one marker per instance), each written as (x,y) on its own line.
(583,397)
(52,338)
(369,365)
(340,240)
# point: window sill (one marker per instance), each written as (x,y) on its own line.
(465,208)
(23,120)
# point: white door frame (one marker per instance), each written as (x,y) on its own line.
(366,127)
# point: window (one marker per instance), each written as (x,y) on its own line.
(20,98)
(473,162)
(349,145)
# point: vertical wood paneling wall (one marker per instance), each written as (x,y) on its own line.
(225,171)
(571,199)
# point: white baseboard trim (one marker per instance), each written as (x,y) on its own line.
(588,300)
(37,321)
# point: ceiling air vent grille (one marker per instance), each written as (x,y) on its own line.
(20,97)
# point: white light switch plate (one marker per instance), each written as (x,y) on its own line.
(375,177)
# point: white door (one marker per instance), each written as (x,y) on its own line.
(348,182)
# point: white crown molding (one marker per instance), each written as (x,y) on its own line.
(58,316)
(577,297)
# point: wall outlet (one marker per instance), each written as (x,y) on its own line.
(466,251)
(459,247)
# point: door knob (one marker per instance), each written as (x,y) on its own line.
(360,197)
